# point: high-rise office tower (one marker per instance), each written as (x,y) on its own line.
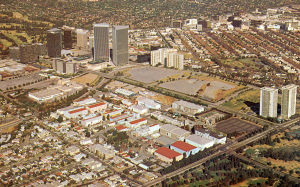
(82,38)
(268,102)
(175,60)
(120,45)
(101,42)
(28,53)
(54,42)
(288,101)
(68,39)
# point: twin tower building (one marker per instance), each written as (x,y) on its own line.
(269,101)
(119,44)
(100,44)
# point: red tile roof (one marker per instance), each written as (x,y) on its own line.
(137,121)
(77,110)
(166,152)
(96,105)
(183,146)
(120,127)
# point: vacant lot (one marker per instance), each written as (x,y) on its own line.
(86,79)
(235,125)
(205,87)
(151,74)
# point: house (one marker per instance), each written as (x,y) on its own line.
(184,148)
(167,155)
(199,141)
(86,141)
(174,132)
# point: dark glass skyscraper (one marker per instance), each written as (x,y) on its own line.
(67,39)
(120,45)
(54,42)
(101,42)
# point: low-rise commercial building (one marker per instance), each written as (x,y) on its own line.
(184,148)
(217,138)
(174,132)
(187,107)
(167,155)
(199,141)
(102,151)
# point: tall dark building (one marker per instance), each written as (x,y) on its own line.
(176,24)
(67,39)
(101,42)
(29,53)
(14,53)
(54,40)
(120,45)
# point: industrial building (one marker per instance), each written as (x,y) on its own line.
(120,45)
(173,132)
(268,102)
(101,42)
(187,107)
(288,101)
(54,42)
(167,155)
(217,138)
(199,141)
(184,148)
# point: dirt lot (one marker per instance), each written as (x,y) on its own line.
(235,125)
(86,79)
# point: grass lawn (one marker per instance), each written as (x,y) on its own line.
(239,102)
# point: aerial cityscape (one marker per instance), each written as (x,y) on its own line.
(148,93)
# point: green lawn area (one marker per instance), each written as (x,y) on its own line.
(238,102)
(241,63)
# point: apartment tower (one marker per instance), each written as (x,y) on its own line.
(288,101)
(101,42)
(120,45)
(268,102)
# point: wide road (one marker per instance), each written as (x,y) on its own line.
(231,148)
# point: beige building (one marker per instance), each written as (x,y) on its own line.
(288,101)
(174,132)
(175,60)
(159,57)
(82,38)
(268,102)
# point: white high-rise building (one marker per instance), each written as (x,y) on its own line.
(268,102)
(82,38)
(288,101)
(175,60)
(159,57)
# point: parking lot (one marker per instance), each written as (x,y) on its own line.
(235,125)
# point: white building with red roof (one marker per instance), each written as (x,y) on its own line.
(121,128)
(183,147)
(136,123)
(167,155)
(97,107)
(79,112)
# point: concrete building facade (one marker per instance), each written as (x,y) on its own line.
(268,102)
(120,45)
(101,42)
(82,39)
(288,101)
